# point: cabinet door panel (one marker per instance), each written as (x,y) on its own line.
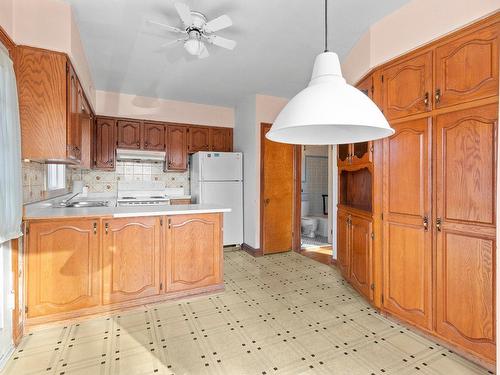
(343,253)
(466,241)
(62,266)
(198,139)
(153,137)
(73,132)
(344,152)
(219,139)
(407,87)
(407,248)
(361,230)
(105,144)
(131,259)
(177,148)
(128,134)
(194,251)
(467,68)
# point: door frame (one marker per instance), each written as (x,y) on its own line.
(297,185)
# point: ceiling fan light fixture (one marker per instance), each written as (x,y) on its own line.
(329,111)
(194,44)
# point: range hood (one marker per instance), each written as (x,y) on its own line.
(123,154)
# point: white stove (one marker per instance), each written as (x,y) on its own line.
(144,193)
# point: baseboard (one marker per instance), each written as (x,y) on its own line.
(334,262)
(250,250)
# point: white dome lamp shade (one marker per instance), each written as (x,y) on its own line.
(329,111)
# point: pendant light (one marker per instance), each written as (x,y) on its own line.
(329,111)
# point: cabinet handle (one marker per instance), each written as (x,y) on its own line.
(426,223)
(169,223)
(438,224)
(138,144)
(146,144)
(426,99)
(95,228)
(437,96)
(106,227)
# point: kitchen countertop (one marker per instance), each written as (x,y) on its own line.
(45,209)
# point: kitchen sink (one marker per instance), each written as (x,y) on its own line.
(83,204)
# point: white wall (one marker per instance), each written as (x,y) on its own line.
(411,26)
(6,302)
(141,107)
(245,140)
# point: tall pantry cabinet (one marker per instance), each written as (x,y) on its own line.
(439,186)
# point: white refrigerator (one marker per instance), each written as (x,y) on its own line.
(217,178)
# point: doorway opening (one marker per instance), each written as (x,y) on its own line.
(318,195)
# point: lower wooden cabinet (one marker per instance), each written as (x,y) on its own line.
(194,251)
(77,267)
(62,261)
(354,250)
(131,259)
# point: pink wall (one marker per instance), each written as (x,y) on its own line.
(49,24)
(7,15)
(124,105)
(411,26)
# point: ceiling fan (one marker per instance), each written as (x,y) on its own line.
(198,31)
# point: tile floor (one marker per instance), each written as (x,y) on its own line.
(279,314)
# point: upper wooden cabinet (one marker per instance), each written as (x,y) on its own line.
(48,106)
(177,152)
(407,86)
(194,251)
(131,258)
(221,139)
(74,130)
(62,266)
(354,154)
(466,68)
(87,127)
(153,137)
(105,144)
(198,139)
(128,134)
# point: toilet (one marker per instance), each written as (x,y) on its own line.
(308,224)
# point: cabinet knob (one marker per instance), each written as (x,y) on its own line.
(438,224)
(426,223)
(426,99)
(138,144)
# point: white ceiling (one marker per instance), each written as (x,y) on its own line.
(277,43)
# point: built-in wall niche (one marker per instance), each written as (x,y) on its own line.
(356,189)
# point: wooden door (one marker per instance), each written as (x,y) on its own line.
(467,68)
(466,242)
(277,194)
(343,242)
(361,255)
(131,258)
(73,132)
(219,139)
(177,148)
(105,145)
(62,266)
(153,137)
(198,139)
(128,134)
(407,246)
(407,86)
(194,251)
(343,155)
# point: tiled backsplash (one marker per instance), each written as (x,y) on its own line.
(34,181)
(103,181)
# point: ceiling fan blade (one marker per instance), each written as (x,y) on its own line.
(184,14)
(217,24)
(204,52)
(172,42)
(222,42)
(168,27)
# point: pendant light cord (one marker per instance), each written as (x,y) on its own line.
(326,25)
